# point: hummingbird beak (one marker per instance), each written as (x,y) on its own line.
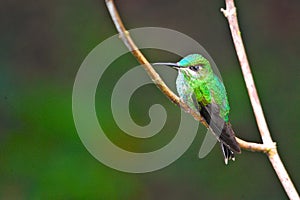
(173,65)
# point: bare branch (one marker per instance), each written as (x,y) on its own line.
(230,14)
(268,145)
(125,36)
(255,147)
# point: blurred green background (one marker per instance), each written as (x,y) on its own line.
(42,45)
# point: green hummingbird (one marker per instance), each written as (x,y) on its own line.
(204,92)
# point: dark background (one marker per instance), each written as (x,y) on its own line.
(42,45)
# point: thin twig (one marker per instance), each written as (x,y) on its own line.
(255,147)
(230,14)
(125,36)
(269,146)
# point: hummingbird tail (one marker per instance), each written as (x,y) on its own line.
(227,137)
(227,153)
(228,143)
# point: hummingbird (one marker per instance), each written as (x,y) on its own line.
(202,90)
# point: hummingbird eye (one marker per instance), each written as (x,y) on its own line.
(194,68)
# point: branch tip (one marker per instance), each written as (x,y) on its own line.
(224,11)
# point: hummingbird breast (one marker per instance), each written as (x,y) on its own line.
(186,92)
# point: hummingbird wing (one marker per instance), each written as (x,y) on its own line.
(219,97)
(221,129)
(214,107)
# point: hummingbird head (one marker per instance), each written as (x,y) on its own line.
(194,66)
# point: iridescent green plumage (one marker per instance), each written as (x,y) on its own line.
(202,90)
(205,85)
